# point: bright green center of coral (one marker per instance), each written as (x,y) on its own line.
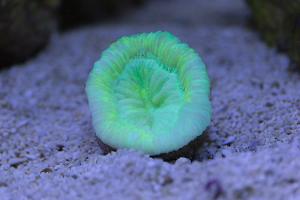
(148,95)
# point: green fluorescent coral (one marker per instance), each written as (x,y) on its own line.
(149,92)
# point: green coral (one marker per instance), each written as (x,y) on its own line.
(279,23)
(149,92)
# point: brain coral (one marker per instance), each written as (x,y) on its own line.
(149,92)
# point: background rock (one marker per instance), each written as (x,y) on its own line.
(279,23)
(25,27)
(75,12)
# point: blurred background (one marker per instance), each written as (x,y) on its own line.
(26,26)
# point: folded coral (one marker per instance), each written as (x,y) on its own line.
(149,92)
